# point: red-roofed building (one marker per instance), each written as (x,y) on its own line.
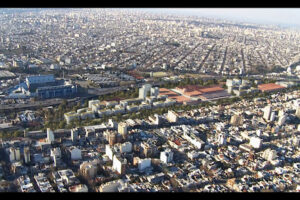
(177,142)
(180,99)
(270,87)
(188,88)
(165,91)
(211,89)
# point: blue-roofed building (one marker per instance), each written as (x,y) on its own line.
(39,80)
(56,91)
(44,87)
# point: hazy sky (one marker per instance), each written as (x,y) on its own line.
(290,16)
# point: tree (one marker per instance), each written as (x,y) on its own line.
(62,124)
(86,103)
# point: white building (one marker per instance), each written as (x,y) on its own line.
(144,163)
(255,142)
(193,154)
(267,112)
(166,156)
(74,134)
(87,115)
(109,152)
(55,152)
(233,82)
(126,147)
(88,169)
(172,116)
(111,186)
(122,128)
(296,103)
(93,102)
(75,153)
(154,92)
(282,120)
(143,91)
(272,117)
(281,113)
(229,83)
(96,106)
(221,139)
(70,116)
(197,142)
(12,156)
(50,135)
(18,154)
(296,141)
(156,119)
(26,155)
(269,154)
(119,164)
(68,60)
(298,112)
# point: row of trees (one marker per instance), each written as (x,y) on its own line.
(133,93)
(55,117)
(9,134)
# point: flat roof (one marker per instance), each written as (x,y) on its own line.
(189,88)
(270,87)
(165,91)
(211,89)
(193,93)
(42,78)
(195,90)
(5,74)
(214,95)
(180,99)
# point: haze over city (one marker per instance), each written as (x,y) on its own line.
(278,16)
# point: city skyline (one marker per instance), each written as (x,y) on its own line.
(275,16)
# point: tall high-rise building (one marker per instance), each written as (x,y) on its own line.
(143,91)
(281,113)
(26,155)
(122,129)
(297,112)
(18,154)
(282,120)
(74,134)
(154,92)
(50,135)
(12,156)
(119,164)
(229,89)
(166,156)
(267,112)
(112,138)
(221,139)
(272,117)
